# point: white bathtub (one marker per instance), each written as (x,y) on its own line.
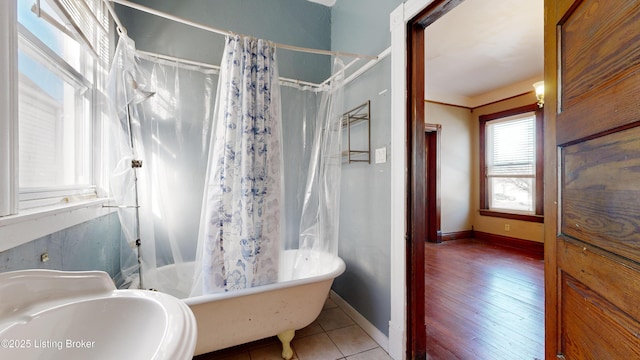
(233,318)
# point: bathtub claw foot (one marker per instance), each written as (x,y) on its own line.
(285,338)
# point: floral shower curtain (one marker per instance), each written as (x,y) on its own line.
(173,128)
(241,229)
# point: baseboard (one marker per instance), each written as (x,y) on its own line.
(532,248)
(457,235)
(377,335)
(397,341)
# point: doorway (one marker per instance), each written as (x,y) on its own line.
(418,163)
(417,166)
(432,178)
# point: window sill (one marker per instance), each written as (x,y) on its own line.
(35,223)
(522,217)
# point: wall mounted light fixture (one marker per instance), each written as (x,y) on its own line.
(539,86)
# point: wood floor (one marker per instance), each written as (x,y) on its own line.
(483,302)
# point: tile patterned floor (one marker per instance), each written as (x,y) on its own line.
(334,335)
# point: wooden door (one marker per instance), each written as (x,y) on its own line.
(592,104)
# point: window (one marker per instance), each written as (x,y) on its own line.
(511,164)
(62,57)
(54,117)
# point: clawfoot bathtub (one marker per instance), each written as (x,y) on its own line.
(233,318)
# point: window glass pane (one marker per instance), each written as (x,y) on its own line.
(54,127)
(63,45)
(512,194)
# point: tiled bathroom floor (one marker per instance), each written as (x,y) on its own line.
(334,335)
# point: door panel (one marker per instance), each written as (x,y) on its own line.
(598,65)
(615,278)
(596,47)
(586,314)
(593,241)
(601,192)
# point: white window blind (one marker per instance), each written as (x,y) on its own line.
(87,20)
(511,147)
(38,130)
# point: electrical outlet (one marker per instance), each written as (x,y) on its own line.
(507,227)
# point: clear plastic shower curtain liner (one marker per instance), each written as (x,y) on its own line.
(172,117)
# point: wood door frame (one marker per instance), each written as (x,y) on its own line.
(432,136)
(416,187)
(551,331)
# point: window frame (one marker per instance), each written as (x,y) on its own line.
(538,215)
(72,206)
(33,197)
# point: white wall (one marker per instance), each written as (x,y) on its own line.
(456,170)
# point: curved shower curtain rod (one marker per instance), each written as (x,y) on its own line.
(149,10)
(215,69)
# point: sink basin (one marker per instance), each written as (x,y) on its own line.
(47,314)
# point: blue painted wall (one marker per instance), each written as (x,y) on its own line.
(92,245)
(362,26)
(291,22)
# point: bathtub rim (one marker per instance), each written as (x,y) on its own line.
(338,269)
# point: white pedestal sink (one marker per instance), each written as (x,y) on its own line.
(46,314)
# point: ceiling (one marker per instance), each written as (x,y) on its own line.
(483,51)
